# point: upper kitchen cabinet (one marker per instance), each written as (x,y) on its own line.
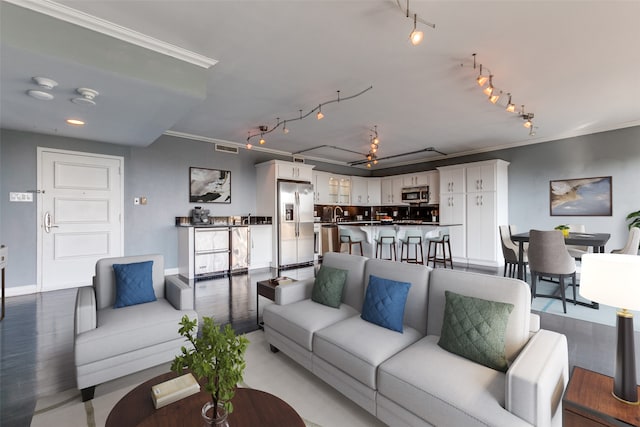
(452,179)
(434,187)
(481,178)
(294,171)
(391,190)
(320,183)
(331,189)
(415,179)
(365,191)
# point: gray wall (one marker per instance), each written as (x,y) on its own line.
(160,173)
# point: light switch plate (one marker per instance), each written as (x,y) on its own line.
(20,197)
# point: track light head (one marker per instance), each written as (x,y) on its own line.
(494,97)
(262,141)
(416,35)
(249,146)
(319,116)
(511,107)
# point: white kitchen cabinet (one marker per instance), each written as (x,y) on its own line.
(481,178)
(482,187)
(434,187)
(321,188)
(344,189)
(359,191)
(415,179)
(260,255)
(373,191)
(203,251)
(294,171)
(452,179)
(453,211)
(391,191)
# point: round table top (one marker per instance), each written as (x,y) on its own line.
(250,408)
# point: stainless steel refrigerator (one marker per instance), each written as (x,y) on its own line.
(295,223)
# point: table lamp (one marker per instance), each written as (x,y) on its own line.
(614,279)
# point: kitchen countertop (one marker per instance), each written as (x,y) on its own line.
(374,222)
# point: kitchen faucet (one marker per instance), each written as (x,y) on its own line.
(335,213)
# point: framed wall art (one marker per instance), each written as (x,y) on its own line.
(581,197)
(209,185)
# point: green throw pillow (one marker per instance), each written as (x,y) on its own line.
(475,329)
(327,289)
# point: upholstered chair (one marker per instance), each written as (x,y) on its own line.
(510,252)
(575,250)
(549,257)
(350,237)
(412,238)
(440,242)
(112,342)
(633,243)
(386,236)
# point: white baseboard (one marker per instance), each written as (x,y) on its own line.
(20,290)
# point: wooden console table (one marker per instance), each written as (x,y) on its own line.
(588,402)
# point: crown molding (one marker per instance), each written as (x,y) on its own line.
(76,17)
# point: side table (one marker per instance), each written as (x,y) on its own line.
(589,402)
(4,251)
(267,289)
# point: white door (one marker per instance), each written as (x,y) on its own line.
(79,214)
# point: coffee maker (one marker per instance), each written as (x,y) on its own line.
(199,215)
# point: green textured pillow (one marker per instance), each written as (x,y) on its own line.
(327,289)
(475,329)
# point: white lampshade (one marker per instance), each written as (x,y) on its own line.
(611,279)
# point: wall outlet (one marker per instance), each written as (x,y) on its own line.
(20,197)
(136,200)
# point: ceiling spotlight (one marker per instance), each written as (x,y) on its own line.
(416,36)
(75,122)
(39,94)
(285,129)
(532,131)
(511,107)
(249,146)
(376,140)
(489,89)
(481,79)
(494,97)
(375,161)
(528,124)
(45,83)
(262,141)
(320,116)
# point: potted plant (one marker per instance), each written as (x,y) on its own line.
(564,229)
(217,356)
(635,219)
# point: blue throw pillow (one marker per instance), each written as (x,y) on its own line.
(384,302)
(134,283)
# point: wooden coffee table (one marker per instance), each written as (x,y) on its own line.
(250,408)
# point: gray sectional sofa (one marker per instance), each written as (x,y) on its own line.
(407,379)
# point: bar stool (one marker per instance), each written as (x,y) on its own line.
(412,237)
(386,236)
(348,236)
(441,241)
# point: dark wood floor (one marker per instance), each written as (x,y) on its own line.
(36,337)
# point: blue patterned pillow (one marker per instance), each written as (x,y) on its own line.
(384,302)
(134,284)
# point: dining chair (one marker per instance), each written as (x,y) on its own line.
(575,250)
(440,241)
(549,257)
(633,243)
(510,252)
(348,236)
(412,238)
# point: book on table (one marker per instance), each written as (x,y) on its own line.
(173,390)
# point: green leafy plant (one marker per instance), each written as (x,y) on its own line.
(634,217)
(561,227)
(216,355)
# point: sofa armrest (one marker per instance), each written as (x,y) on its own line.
(86,310)
(537,378)
(179,293)
(294,291)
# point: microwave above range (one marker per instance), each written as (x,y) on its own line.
(415,194)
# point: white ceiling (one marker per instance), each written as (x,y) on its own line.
(574,64)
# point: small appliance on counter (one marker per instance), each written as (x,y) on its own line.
(199,216)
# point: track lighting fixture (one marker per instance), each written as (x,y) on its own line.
(511,107)
(263,129)
(416,36)
(494,95)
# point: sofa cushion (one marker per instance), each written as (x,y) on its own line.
(445,389)
(327,288)
(474,328)
(128,329)
(357,347)
(299,320)
(133,284)
(493,288)
(353,291)
(384,302)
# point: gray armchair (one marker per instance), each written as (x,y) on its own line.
(549,257)
(510,252)
(110,343)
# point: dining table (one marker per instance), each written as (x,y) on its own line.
(595,240)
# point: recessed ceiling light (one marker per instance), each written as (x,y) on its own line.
(39,94)
(75,122)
